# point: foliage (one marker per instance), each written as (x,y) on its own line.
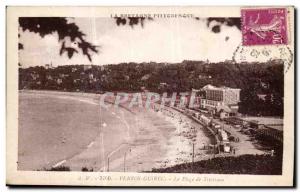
(85,169)
(244,164)
(49,25)
(59,168)
(253,79)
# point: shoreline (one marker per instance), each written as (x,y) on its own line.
(167,134)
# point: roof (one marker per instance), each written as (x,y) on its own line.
(277,127)
(227,108)
(211,87)
(270,122)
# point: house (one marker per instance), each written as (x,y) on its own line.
(34,76)
(271,127)
(262,96)
(49,77)
(87,67)
(49,66)
(59,81)
(226,111)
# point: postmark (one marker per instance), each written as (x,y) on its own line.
(264,26)
(276,53)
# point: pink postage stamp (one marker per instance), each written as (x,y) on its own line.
(264,26)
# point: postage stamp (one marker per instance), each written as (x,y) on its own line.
(264,26)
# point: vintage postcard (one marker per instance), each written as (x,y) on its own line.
(150,96)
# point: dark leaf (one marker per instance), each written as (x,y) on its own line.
(49,25)
(21,46)
(216,29)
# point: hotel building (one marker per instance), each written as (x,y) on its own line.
(221,99)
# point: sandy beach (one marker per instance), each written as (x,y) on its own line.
(119,139)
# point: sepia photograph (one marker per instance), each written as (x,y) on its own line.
(158,94)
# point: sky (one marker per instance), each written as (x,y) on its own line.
(160,40)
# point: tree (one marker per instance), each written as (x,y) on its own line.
(131,21)
(49,25)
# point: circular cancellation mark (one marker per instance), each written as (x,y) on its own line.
(281,53)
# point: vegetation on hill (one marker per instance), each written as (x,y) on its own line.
(261,84)
(245,164)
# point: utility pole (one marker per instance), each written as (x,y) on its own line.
(100,130)
(193,153)
(125,162)
(214,150)
(108,164)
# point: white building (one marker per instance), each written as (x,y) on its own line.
(220,99)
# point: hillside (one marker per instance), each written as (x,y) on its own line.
(253,78)
(245,164)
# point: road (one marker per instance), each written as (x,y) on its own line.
(245,145)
